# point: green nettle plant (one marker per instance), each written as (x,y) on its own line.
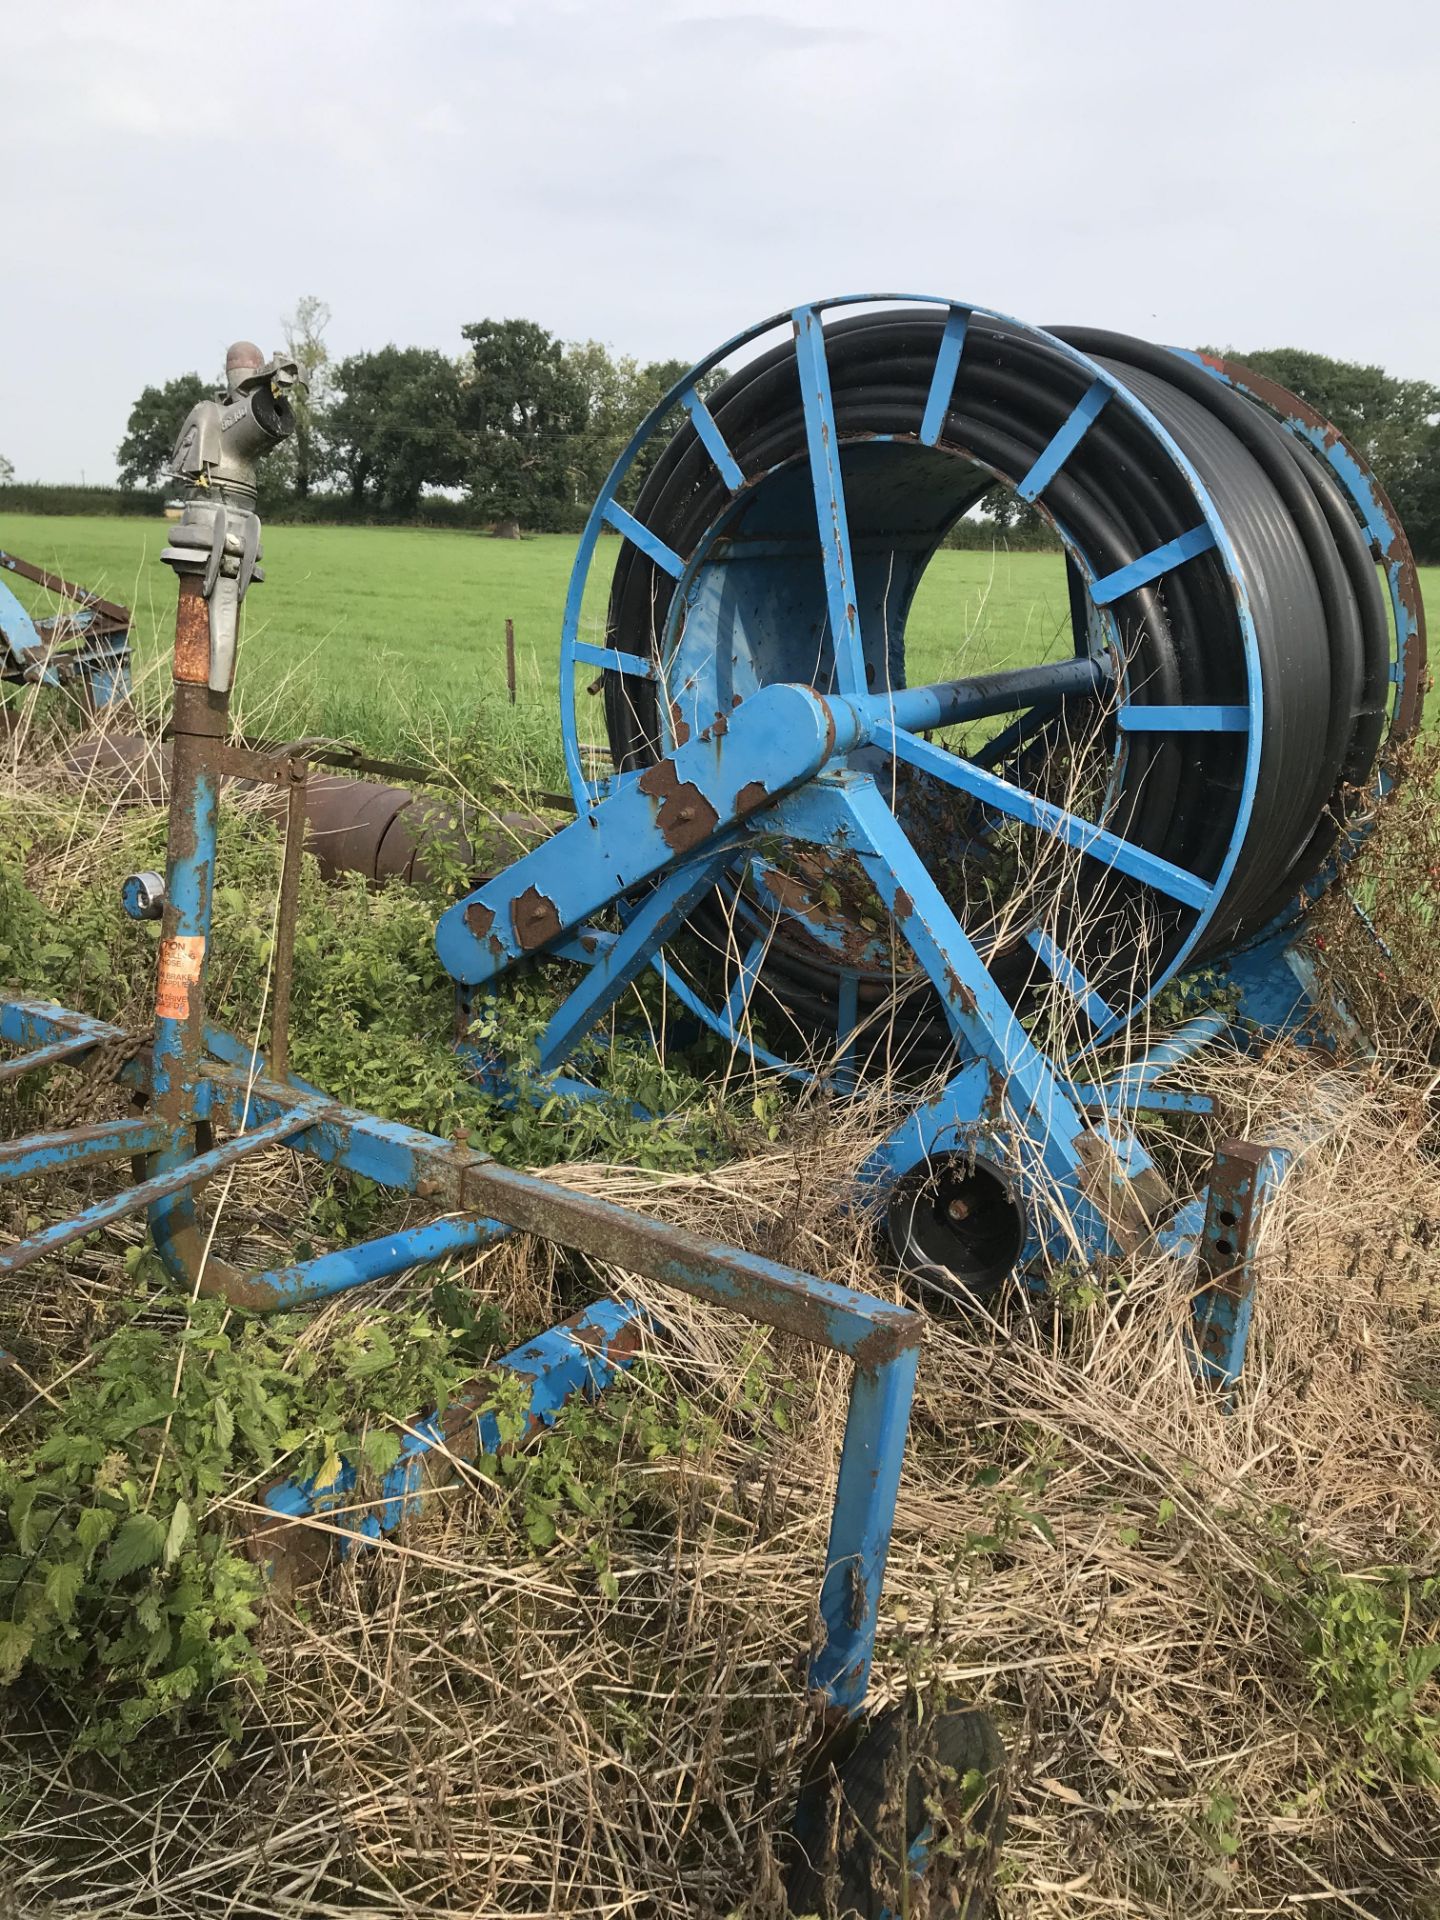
(124,1591)
(120,1580)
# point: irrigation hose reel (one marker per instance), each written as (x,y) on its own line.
(858,869)
(847,860)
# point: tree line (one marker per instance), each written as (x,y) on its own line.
(524,427)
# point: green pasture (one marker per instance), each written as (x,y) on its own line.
(381,632)
(395,636)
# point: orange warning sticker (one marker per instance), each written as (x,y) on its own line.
(182,956)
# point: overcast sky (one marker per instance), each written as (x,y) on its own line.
(659,175)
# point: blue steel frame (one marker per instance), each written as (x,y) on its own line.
(487,1202)
(777,761)
(779,765)
(193,1076)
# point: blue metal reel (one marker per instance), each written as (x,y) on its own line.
(833,543)
(763,595)
(986,876)
(743,612)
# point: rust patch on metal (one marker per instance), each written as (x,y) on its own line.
(719,727)
(683,815)
(1226,1243)
(794,894)
(957,991)
(638,1244)
(479,918)
(751,797)
(192,636)
(678,728)
(535,918)
(829,728)
(904,905)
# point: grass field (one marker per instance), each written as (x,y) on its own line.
(375,632)
(389,635)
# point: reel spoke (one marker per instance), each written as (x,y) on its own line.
(1066,440)
(712,439)
(1139,573)
(649,543)
(1138,719)
(942,381)
(1065,972)
(1083,835)
(822,441)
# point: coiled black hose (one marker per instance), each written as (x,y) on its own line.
(1317,603)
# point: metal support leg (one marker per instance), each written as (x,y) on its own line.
(860,1527)
(199,723)
(295,802)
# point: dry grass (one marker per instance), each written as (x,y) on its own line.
(1114,1561)
(450,1729)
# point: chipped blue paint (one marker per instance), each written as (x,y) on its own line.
(68,1148)
(776,740)
(860,1527)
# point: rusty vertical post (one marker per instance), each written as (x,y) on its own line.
(297,775)
(215,551)
(1241,1179)
(510,659)
(199,720)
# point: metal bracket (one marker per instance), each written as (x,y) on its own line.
(1244,1174)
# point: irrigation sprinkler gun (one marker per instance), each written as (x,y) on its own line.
(854,873)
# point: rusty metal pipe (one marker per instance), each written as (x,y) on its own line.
(370,827)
